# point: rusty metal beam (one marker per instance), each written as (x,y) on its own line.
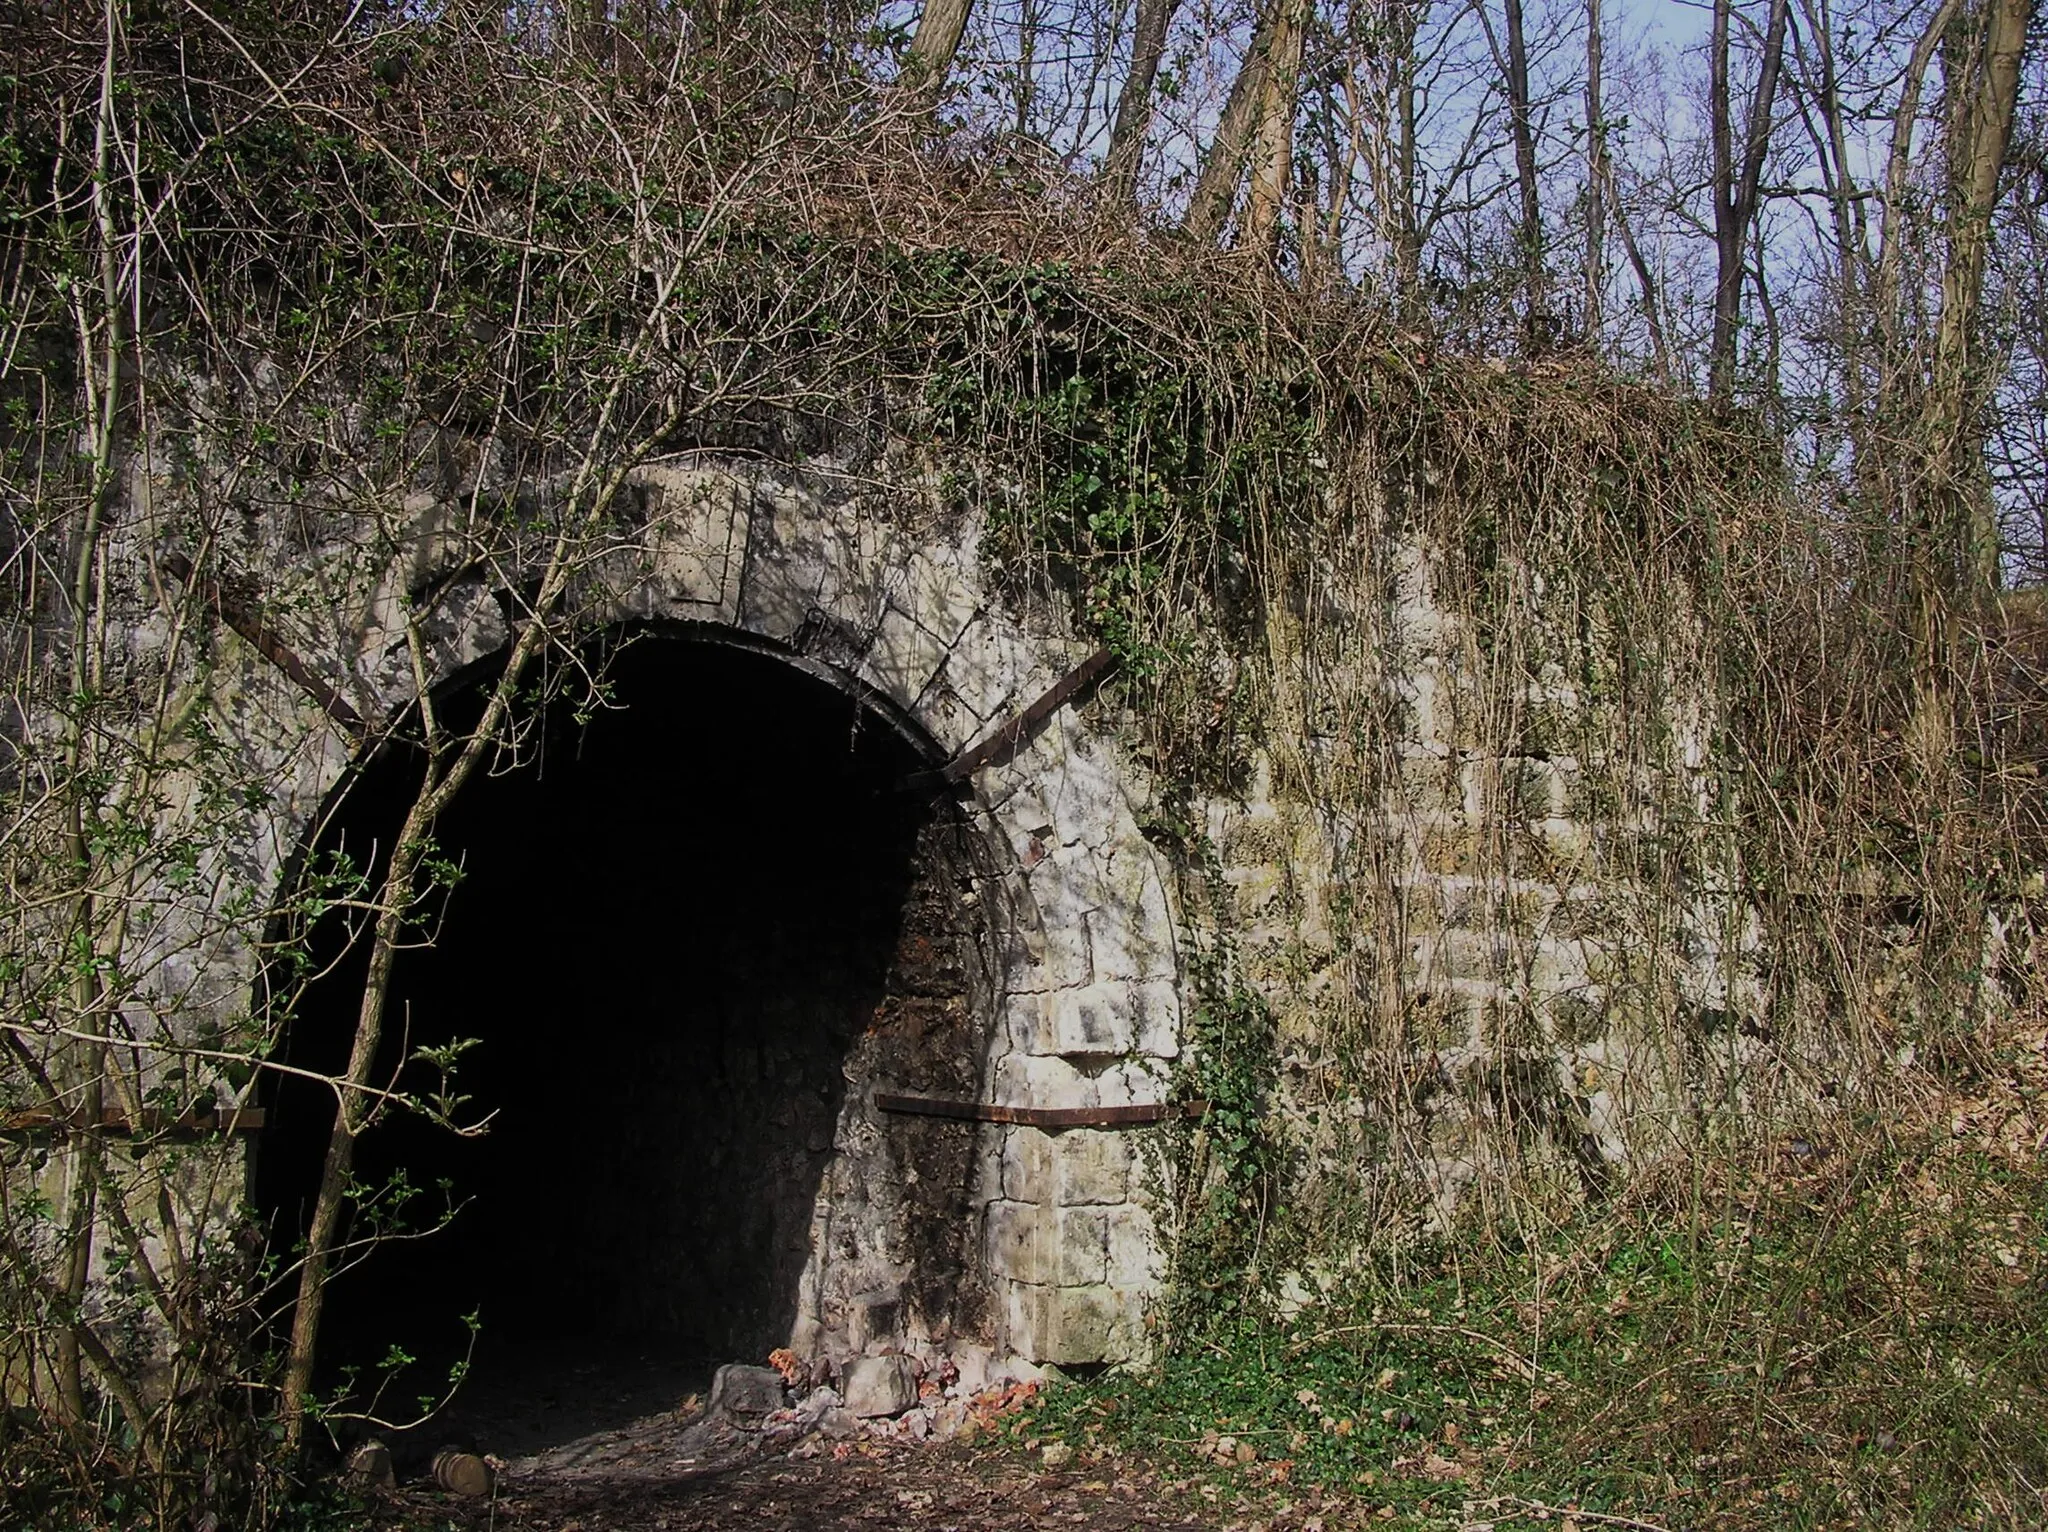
(1012,735)
(248,1119)
(245,618)
(1049,1117)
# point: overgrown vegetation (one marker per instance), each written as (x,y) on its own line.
(1792,1276)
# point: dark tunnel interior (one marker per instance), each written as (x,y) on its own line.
(673,920)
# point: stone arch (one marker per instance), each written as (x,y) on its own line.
(1085,1009)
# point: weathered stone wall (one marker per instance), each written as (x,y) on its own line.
(820,568)
(1429,878)
(1466,941)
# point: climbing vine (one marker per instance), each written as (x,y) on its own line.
(335,273)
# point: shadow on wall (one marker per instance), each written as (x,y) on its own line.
(674,924)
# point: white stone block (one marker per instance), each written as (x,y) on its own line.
(695,537)
(1069,1324)
(945,717)
(1135,1259)
(1030,1242)
(1049,958)
(1067,884)
(1032,1080)
(992,669)
(1083,1235)
(1028,1159)
(941,598)
(1092,1022)
(1126,945)
(902,658)
(1156,1019)
(1090,1167)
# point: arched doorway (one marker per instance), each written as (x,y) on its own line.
(694,930)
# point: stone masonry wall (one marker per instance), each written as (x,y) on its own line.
(1431,883)
(812,563)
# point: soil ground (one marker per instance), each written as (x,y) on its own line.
(665,1474)
(912,1488)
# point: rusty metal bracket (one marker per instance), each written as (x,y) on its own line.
(246,618)
(1016,732)
(195,1122)
(1048,1117)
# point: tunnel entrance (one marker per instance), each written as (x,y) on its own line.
(693,931)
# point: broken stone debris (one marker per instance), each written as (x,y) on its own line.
(745,1394)
(880,1386)
(895,1397)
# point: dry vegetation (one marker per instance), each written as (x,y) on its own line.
(1813,1296)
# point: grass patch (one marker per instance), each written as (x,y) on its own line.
(1834,1340)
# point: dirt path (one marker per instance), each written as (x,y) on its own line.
(650,1483)
(918,1489)
(912,1488)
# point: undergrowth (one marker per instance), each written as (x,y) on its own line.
(1787,1288)
(1834,1335)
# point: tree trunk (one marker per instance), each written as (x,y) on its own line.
(940,26)
(1273,154)
(1735,187)
(1596,180)
(1984,96)
(1134,102)
(1536,319)
(1407,231)
(1216,187)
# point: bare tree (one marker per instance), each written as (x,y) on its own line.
(1736,183)
(1597,174)
(940,26)
(1983,85)
(1134,102)
(1513,64)
(1273,149)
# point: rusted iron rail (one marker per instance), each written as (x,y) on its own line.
(1041,1116)
(246,618)
(1011,736)
(196,1121)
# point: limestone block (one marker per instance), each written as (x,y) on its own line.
(992,669)
(1028,1159)
(946,718)
(745,1393)
(902,658)
(1257,888)
(1558,964)
(1040,1080)
(1083,1236)
(1569,843)
(1026,814)
(1092,1022)
(1126,944)
(1135,1259)
(1448,850)
(695,536)
(1066,1325)
(1089,791)
(806,559)
(1133,1082)
(1032,1242)
(940,595)
(465,625)
(1050,957)
(1067,884)
(1155,1019)
(879,1386)
(1091,1167)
